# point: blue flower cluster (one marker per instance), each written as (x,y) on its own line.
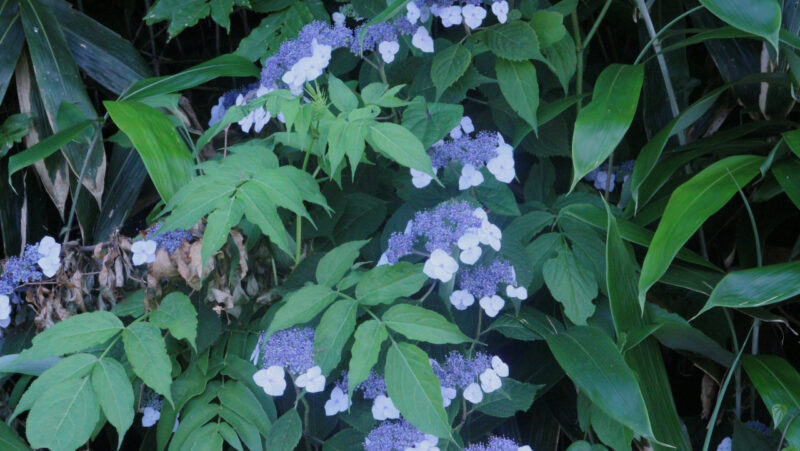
(291,348)
(169,241)
(394,436)
(19,270)
(482,281)
(600,175)
(497,443)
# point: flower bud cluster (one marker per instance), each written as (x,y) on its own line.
(497,443)
(399,436)
(290,349)
(473,376)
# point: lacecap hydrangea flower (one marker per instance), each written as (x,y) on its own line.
(485,149)
(289,350)
(449,227)
(151,409)
(482,283)
(399,436)
(600,175)
(169,241)
(497,443)
(473,376)
(5,311)
(144,251)
(49,256)
(372,388)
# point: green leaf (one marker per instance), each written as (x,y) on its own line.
(345,440)
(334,330)
(9,439)
(74,334)
(594,363)
(221,66)
(147,353)
(246,430)
(529,325)
(341,96)
(45,148)
(760,17)
(418,323)
(237,397)
(549,27)
(600,125)
(180,14)
(336,262)
(520,87)
(448,66)
(688,208)
(651,152)
(676,333)
(497,197)
(301,306)
(514,41)
(369,337)
(168,161)
(610,431)
(11,40)
(115,394)
(64,417)
(383,284)
(177,314)
(285,434)
(400,145)
(509,399)
(787,173)
(218,227)
(196,414)
(264,213)
(207,438)
(72,367)
(431,122)
(415,390)
(59,80)
(756,287)
(643,354)
(777,382)
(571,284)
(562,59)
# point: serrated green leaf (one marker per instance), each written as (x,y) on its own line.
(369,337)
(415,390)
(448,66)
(301,306)
(418,323)
(75,333)
(64,417)
(336,262)
(218,227)
(431,122)
(72,367)
(515,41)
(286,432)
(571,284)
(114,393)
(237,397)
(334,330)
(383,284)
(400,145)
(177,314)
(147,353)
(512,397)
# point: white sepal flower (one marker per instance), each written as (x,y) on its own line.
(312,380)
(471,255)
(450,15)
(461,299)
(412,12)
(473,393)
(469,177)
(473,15)
(384,260)
(503,149)
(492,305)
(490,381)
(383,408)
(420,179)
(518,292)
(500,10)
(339,402)
(480,214)
(272,380)
(49,265)
(448,395)
(525,448)
(499,366)
(48,247)
(502,167)
(422,40)
(440,266)
(5,307)
(150,416)
(144,252)
(338,19)
(491,235)
(467,125)
(388,49)
(456,132)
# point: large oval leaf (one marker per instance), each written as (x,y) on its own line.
(400,145)
(689,207)
(418,323)
(415,390)
(64,417)
(168,161)
(147,353)
(760,17)
(778,383)
(75,333)
(756,287)
(448,66)
(115,394)
(594,363)
(601,125)
(520,87)
(369,337)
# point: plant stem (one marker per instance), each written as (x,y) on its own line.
(738,373)
(662,64)
(299,228)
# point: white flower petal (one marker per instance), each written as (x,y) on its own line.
(420,179)
(499,367)
(473,393)
(490,381)
(422,40)
(469,177)
(150,417)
